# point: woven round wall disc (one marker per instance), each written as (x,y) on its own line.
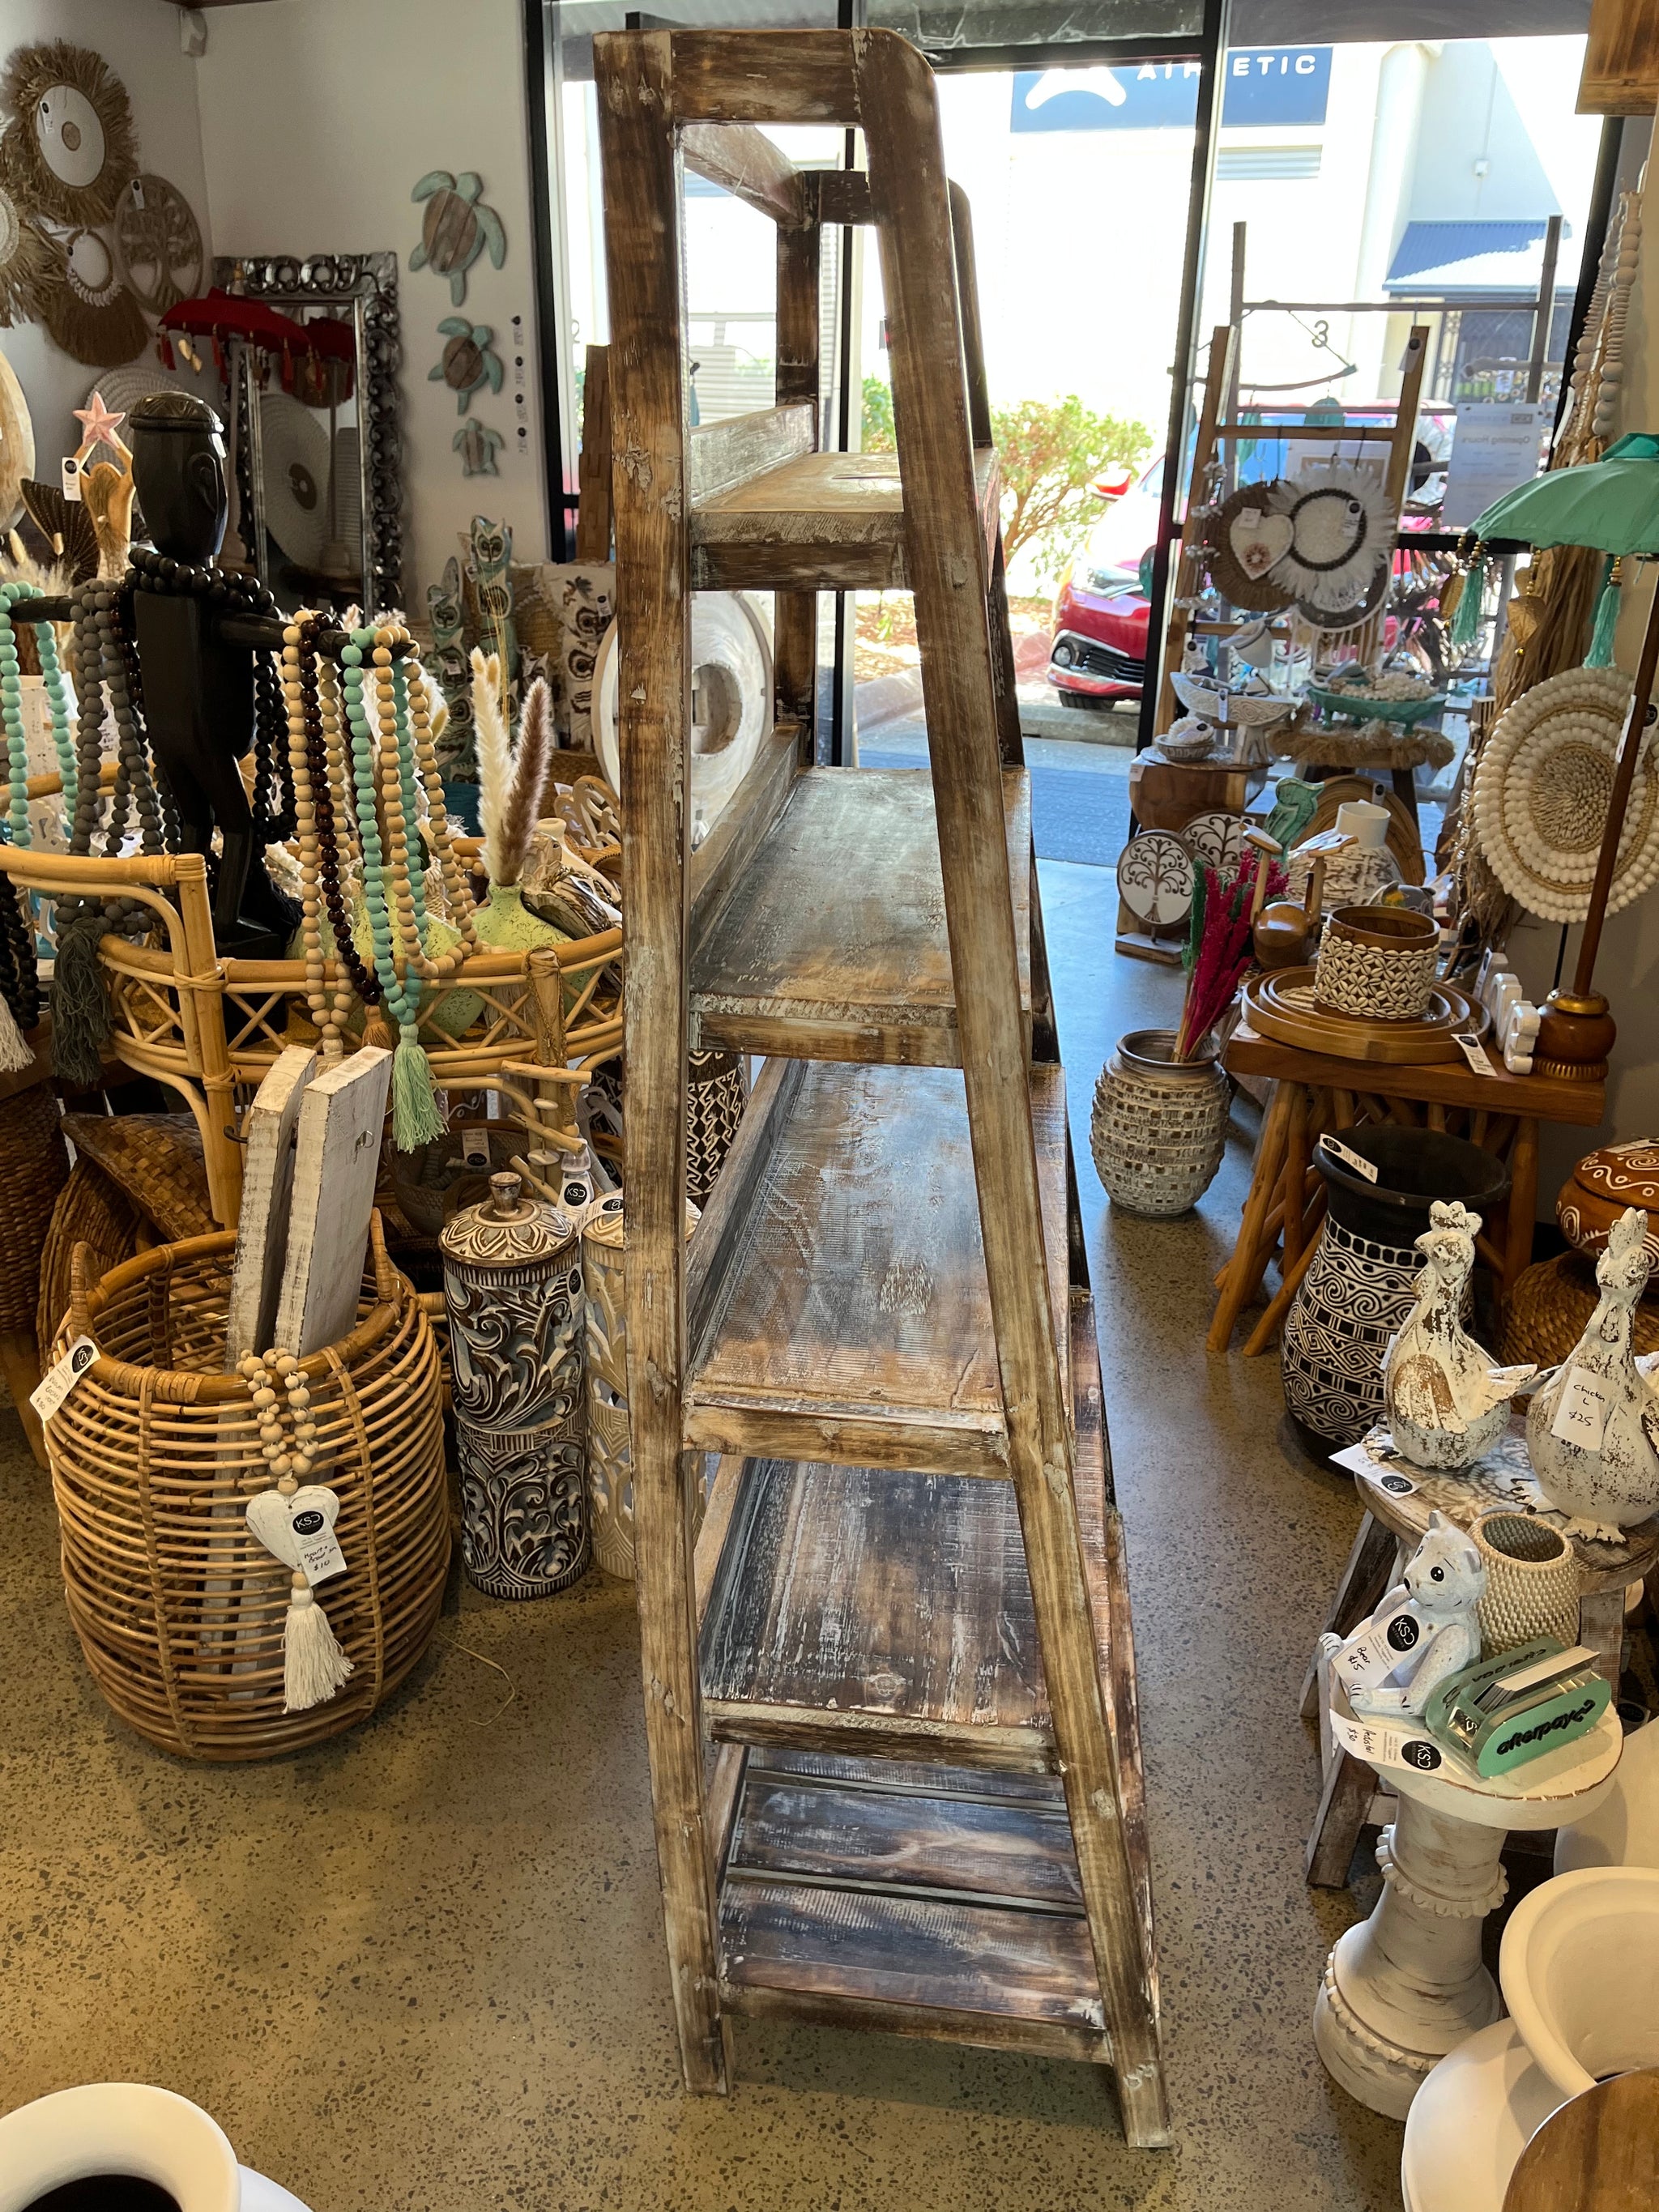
(1542,791)
(1243,537)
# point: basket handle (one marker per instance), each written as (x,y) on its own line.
(386,1278)
(80,1269)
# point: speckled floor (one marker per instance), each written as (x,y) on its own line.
(420,1969)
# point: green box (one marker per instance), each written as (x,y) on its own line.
(1504,1711)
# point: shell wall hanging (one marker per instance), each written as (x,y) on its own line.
(1542,791)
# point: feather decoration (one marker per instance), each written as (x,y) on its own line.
(532,757)
(494,757)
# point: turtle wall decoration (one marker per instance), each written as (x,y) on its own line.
(470,360)
(456,227)
(477,445)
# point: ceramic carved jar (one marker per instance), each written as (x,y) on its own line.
(1361,1284)
(1159,1128)
(1600,1188)
(512,1282)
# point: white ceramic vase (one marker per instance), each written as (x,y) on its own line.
(1158,1128)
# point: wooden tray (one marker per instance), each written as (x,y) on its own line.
(1272,1007)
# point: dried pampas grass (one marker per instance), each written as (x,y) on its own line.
(510,777)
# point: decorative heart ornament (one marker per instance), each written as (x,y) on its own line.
(1257,539)
(298,1529)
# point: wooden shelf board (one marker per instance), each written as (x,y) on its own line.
(837,1288)
(817,522)
(853,1901)
(859,1610)
(835,929)
(947,1836)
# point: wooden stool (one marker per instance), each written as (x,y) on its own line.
(1392,1529)
(1600,2153)
(1313,1091)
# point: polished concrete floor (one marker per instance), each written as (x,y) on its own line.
(420,1969)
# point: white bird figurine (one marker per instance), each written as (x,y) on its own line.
(1443,1400)
(1593,1432)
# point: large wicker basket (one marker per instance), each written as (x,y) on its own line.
(154,1454)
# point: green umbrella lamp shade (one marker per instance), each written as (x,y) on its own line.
(1611,505)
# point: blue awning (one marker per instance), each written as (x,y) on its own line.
(1475,257)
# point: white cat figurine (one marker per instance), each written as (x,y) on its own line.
(1593,1430)
(1423,1630)
(1443,1400)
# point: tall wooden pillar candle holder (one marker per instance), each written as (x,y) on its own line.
(512,1284)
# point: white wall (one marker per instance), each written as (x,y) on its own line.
(316,119)
(139,39)
(1627,965)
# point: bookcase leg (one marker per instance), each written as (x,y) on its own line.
(641,177)
(952,584)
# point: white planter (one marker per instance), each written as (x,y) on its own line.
(129,2129)
(1579,1967)
(1159,1129)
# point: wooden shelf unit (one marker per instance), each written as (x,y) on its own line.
(889,1677)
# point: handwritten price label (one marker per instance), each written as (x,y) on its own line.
(1581,1418)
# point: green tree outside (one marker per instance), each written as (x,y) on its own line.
(1051,451)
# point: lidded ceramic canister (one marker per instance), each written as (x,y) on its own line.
(512,1284)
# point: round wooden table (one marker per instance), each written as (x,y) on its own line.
(1405,1986)
(1402,1497)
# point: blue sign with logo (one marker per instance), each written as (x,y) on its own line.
(1262,85)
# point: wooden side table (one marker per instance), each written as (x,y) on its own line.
(1394,1525)
(1312,1092)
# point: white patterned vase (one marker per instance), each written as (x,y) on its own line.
(1158,1128)
(1354,1296)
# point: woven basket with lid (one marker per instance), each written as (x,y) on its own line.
(154,1454)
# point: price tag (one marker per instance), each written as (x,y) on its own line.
(1386,1743)
(71,478)
(474,1147)
(319,1547)
(135,191)
(1473,1050)
(61,1378)
(1349,1159)
(1581,1417)
(1392,1637)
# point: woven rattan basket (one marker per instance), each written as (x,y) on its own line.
(154,1454)
(1546,1313)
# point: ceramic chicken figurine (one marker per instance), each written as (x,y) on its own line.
(1593,1432)
(1425,1628)
(1443,1400)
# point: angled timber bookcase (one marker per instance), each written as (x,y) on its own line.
(888,1675)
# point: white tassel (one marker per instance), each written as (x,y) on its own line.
(314,1665)
(14,1054)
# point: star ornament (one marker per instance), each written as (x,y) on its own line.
(99,423)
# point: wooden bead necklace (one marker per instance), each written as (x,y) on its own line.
(302,683)
(11,707)
(416,1120)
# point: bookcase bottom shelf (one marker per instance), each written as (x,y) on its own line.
(935,1901)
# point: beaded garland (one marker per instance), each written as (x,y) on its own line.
(11,706)
(304,681)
